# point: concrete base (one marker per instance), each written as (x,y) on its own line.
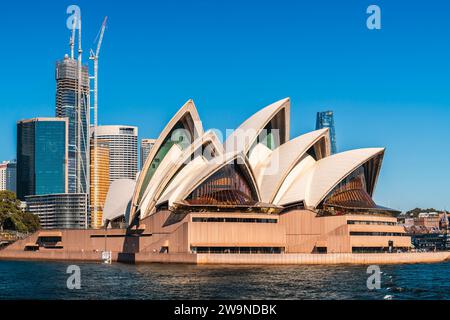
(322,259)
(298,233)
(233,259)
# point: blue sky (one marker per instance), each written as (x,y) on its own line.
(388,87)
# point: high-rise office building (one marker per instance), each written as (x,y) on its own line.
(3,168)
(99,186)
(60,211)
(42,156)
(146,146)
(75,108)
(123,150)
(325,119)
(8,176)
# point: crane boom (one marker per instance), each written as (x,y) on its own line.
(94,57)
(80,188)
(100,40)
(72,38)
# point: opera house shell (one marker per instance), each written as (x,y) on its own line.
(259,191)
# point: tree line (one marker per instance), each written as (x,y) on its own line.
(13,218)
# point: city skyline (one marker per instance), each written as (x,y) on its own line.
(396,99)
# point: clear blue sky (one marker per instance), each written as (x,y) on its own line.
(388,88)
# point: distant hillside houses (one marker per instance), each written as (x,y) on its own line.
(419,221)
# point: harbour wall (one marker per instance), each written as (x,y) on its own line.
(232,259)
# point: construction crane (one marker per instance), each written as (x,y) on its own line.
(94,56)
(72,38)
(78,108)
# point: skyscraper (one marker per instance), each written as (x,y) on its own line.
(325,119)
(146,146)
(123,150)
(42,156)
(67,107)
(98,195)
(8,176)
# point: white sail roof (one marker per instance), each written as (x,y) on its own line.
(172,163)
(183,181)
(242,139)
(118,199)
(188,116)
(166,164)
(272,172)
(279,171)
(319,180)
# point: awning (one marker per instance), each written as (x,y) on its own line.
(376,209)
(321,243)
(140,227)
(31,245)
(50,234)
(184,206)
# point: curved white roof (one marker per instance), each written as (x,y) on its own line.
(272,172)
(166,164)
(170,166)
(242,139)
(183,180)
(302,168)
(282,172)
(188,109)
(118,199)
(204,172)
(258,155)
(319,180)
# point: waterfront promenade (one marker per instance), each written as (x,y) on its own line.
(87,246)
(232,259)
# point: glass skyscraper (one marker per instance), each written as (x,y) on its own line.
(66,107)
(325,119)
(146,147)
(41,156)
(8,177)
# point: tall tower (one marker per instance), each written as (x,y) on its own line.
(41,157)
(325,119)
(67,100)
(146,147)
(8,176)
(123,150)
(3,170)
(99,158)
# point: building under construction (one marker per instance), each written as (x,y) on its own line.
(74,106)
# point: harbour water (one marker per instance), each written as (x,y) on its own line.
(48,280)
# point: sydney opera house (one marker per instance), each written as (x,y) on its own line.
(260,193)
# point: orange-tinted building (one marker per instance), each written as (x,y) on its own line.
(99,187)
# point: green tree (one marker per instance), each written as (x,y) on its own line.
(415,212)
(31,221)
(9,205)
(12,217)
(14,222)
